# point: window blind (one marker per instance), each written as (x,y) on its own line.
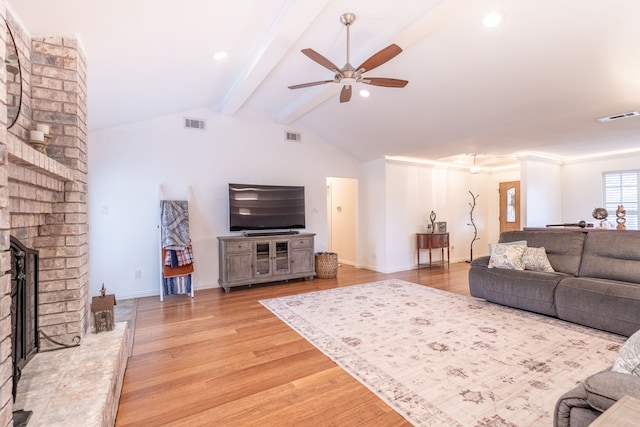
(621,188)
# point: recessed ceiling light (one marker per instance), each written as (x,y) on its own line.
(493,19)
(220,55)
(364,93)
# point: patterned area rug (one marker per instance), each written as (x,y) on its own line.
(441,359)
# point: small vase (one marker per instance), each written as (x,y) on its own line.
(41,146)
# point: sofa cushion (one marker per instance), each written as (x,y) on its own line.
(563,247)
(628,360)
(527,290)
(536,259)
(482,261)
(572,409)
(506,255)
(477,276)
(606,388)
(610,305)
(612,254)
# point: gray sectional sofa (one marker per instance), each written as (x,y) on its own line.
(587,401)
(596,281)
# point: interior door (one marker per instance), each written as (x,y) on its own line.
(342,203)
(509,206)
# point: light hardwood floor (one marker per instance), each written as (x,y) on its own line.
(222,359)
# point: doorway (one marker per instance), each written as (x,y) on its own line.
(341,216)
(509,206)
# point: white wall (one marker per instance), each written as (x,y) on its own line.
(128,164)
(540,192)
(413,191)
(372,216)
(582,189)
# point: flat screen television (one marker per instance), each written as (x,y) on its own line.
(266,207)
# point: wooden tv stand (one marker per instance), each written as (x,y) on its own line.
(249,260)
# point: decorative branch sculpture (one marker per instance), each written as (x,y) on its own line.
(432,217)
(475,229)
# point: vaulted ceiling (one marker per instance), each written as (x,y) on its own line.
(535,84)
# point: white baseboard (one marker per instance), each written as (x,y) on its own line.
(156,292)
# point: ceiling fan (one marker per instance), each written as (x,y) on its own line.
(347,76)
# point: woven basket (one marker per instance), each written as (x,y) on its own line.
(326,265)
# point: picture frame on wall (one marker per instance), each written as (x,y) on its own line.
(441,227)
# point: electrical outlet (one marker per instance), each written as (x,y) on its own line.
(137,274)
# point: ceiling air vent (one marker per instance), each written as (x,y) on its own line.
(194,123)
(619,116)
(292,136)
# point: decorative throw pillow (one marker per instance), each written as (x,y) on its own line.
(536,259)
(506,255)
(628,361)
(515,242)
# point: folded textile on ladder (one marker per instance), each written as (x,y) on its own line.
(174,220)
(177,285)
(177,256)
(174,258)
(178,270)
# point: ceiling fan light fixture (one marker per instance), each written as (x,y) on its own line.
(347,18)
(348,81)
(348,76)
(365,93)
(475,169)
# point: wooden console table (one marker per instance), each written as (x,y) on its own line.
(429,241)
(624,413)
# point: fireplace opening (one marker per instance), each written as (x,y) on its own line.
(24,307)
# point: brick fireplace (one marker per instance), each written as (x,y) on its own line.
(43,196)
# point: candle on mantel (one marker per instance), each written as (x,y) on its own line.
(43,128)
(37,135)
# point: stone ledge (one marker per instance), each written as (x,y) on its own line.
(24,155)
(79,386)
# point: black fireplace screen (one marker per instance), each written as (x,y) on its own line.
(24,307)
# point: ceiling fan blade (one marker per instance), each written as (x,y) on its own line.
(383,81)
(321,60)
(377,59)
(345,94)
(310,84)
